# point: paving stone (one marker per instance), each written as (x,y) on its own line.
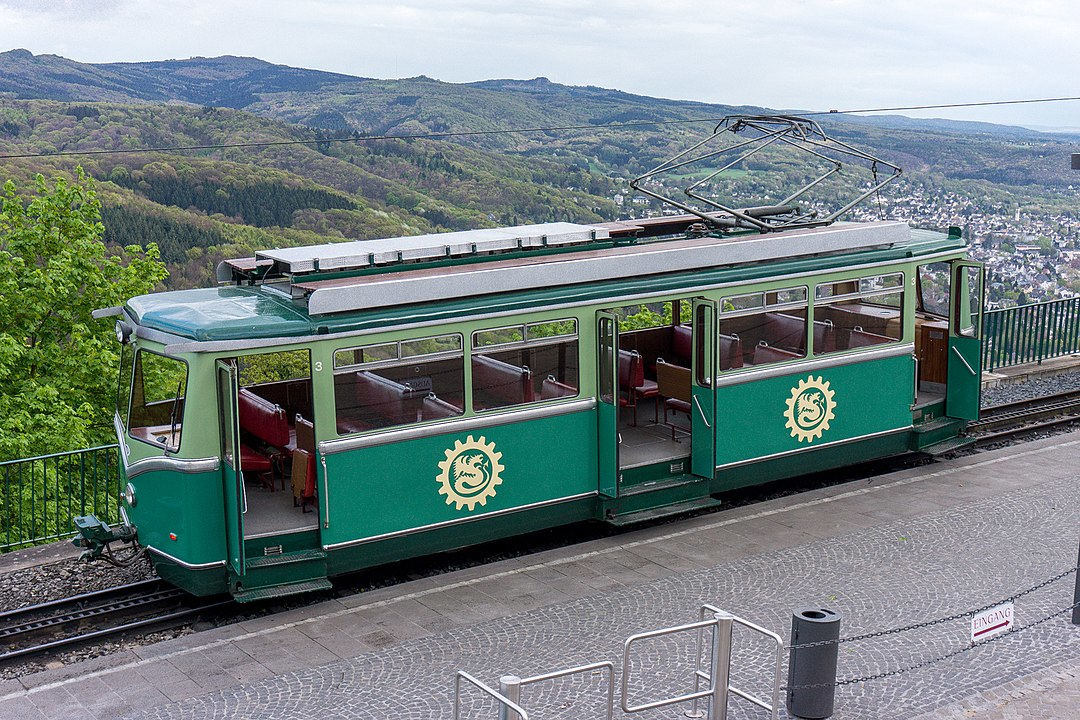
(20,711)
(958,550)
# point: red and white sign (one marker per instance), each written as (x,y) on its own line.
(992,622)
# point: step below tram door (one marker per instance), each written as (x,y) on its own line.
(964,378)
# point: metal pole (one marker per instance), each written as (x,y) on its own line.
(721,666)
(510,688)
(1076,592)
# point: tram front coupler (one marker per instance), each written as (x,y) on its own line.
(95,536)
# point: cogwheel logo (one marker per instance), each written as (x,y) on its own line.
(810,409)
(470,473)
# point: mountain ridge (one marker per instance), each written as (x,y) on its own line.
(198,80)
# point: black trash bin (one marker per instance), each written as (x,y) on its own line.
(813,666)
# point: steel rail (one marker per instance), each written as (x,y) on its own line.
(94,595)
(86,613)
(1006,420)
(994,410)
(1021,429)
(22,623)
(114,630)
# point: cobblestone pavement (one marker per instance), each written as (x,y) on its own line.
(924,543)
(1050,694)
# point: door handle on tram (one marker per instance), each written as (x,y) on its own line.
(326,492)
(963,360)
(702,413)
(915,395)
(243,493)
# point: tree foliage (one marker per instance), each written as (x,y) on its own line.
(57,364)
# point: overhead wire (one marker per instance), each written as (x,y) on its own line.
(498,131)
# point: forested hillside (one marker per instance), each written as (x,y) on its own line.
(202,205)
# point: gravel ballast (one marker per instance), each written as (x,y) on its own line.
(1031,389)
(64,578)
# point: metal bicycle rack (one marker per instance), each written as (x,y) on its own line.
(511,685)
(504,702)
(774,706)
(720,664)
(714,621)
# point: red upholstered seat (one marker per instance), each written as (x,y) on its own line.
(499,384)
(263,419)
(682,344)
(435,409)
(677,405)
(860,338)
(552,388)
(252,460)
(785,331)
(265,434)
(824,336)
(631,371)
(731,352)
(764,354)
(380,403)
(632,381)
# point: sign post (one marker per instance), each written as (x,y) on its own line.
(991,623)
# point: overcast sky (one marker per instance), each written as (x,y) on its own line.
(814,54)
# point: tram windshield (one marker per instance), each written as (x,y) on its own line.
(158,388)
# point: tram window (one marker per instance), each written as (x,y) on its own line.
(371,353)
(274,367)
(969,280)
(157,400)
(281,378)
(123,390)
(524,363)
(934,288)
(645,316)
(399,383)
(858,313)
(759,329)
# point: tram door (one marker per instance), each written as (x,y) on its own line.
(965,341)
(607,402)
(231,474)
(703,389)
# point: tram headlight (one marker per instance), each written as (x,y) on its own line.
(123,332)
(129,495)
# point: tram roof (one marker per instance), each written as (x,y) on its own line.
(308,301)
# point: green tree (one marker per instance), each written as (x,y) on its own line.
(57,365)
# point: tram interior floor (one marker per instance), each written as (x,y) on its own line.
(649,442)
(272,512)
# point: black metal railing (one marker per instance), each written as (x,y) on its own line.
(40,496)
(1030,333)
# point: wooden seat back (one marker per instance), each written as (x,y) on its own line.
(673,381)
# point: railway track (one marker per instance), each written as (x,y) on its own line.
(114,611)
(999,422)
(90,616)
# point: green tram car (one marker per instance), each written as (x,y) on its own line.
(338,407)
